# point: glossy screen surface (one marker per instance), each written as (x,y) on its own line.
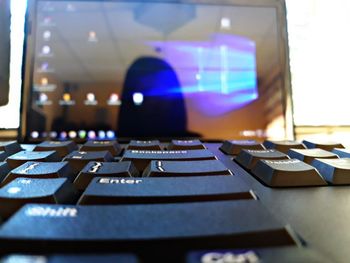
(105,70)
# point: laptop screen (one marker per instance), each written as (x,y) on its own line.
(114,69)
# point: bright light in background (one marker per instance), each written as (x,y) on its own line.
(319,41)
(225,23)
(9,114)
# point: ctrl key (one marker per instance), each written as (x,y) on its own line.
(69,258)
(260,255)
(287,173)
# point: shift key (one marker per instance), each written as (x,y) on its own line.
(242,223)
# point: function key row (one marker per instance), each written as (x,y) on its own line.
(65,147)
(235,146)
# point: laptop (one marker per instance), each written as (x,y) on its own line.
(141,140)
(128,69)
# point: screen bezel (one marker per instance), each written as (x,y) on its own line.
(279,5)
(5,13)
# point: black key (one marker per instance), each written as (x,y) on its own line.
(164,190)
(4,170)
(181,168)
(258,255)
(327,146)
(342,153)
(144,145)
(112,146)
(22,191)
(284,146)
(249,158)
(78,159)
(61,147)
(69,258)
(334,171)
(22,157)
(41,170)
(186,145)
(285,173)
(217,224)
(10,147)
(3,156)
(103,169)
(142,158)
(234,147)
(308,155)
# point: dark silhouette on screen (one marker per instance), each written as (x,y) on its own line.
(162,112)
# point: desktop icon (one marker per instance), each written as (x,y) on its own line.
(47,20)
(46,50)
(91,135)
(82,134)
(44,81)
(47,35)
(72,134)
(114,99)
(34,134)
(43,98)
(44,66)
(53,135)
(92,37)
(137,98)
(66,99)
(90,99)
(101,135)
(110,135)
(63,135)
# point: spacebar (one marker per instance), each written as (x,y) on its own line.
(219,224)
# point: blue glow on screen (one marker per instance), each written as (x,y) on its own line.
(220,74)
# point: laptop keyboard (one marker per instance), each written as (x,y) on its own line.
(147,201)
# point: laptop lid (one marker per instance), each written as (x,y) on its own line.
(4,50)
(156,69)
